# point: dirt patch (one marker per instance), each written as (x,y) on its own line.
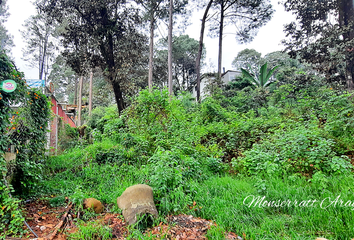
(185,227)
(182,227)
(117,224)
(43,219)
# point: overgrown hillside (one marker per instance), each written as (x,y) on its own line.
(211,160)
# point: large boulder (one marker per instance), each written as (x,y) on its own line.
(93,203)
(136,201)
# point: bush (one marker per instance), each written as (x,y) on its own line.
(301,150)
(68,136)
(170,173)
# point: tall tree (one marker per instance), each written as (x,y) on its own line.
(79,106)
(5,38)
(247,57)
(154,10)
(39,37)
(158,10)
(64,79)
(200,49)
(247,15)
(170,26)
(103,33)
(323,34)
(184,54)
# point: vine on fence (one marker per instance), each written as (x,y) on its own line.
(25,130)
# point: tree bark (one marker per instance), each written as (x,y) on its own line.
(40,62)
(170,89)
(220,38)
(75,94)
(42,57)
(346,18)
(80,102)
(151,56)
(118,95)
(200,50)
(90,94)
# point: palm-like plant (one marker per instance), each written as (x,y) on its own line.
(262,79)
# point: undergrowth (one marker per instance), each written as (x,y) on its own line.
(294,146)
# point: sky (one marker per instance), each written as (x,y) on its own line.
(267,40)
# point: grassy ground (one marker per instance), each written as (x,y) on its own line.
(223,199)
(288,152)
(226,199)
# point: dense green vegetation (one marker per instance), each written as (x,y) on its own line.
(285,145)
(22,128)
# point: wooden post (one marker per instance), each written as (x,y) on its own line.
(80,102)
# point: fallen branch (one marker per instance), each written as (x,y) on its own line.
(15,238)
(60,224)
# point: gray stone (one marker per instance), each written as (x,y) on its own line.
(136,201)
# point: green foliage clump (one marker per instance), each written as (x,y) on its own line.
(170,173)
(57,201)
(92,231)
(11,219)
(10,215)
(300,150)
(68,136)
(29,134)
(25,129)
(280,143)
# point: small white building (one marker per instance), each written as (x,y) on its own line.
(206,78)
(230,75)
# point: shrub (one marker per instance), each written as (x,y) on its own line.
(170,173)
(300,150)
(68,136)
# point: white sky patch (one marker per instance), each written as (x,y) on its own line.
(267,40)
(20,10)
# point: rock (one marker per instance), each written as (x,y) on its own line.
(42,228)
(93,203)
(136,201)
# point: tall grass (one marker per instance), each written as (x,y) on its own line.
(227,201)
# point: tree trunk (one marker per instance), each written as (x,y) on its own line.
(220,38)
(118,95)
(151,56)
(75,94)
(80,101)
(40,62)
(200,50)
(170,89)
(346,17)
(90,94)
(44,53)
(350,71)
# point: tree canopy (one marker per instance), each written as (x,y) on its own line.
(39,37)
(184,53)
(323,35)
(247,57)
(103,33)
(246,15)
(6,41)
